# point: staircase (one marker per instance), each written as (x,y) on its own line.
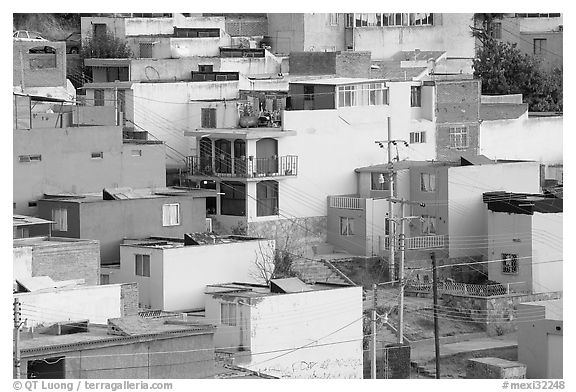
(318,271)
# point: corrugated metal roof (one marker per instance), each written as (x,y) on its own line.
(288,285)
(23,220)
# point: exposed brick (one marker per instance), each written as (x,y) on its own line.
(341,64)
(129,299)
(353,64)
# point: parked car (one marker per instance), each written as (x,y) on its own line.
(31,36)
(73,43)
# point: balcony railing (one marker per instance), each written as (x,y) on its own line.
(243,167)
(422,242)
(346,202)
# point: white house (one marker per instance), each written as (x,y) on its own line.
(172,274)
(290,329)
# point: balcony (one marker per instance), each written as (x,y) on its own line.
(283,166)
(419,243)
(346,202)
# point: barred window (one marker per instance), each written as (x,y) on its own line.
(509,263)
(228,313)
(346,226)
(459,137)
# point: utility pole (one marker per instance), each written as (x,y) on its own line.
(435,292)
(17,318)
(374,303)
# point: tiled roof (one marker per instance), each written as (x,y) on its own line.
(502,111)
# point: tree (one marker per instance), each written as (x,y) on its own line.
(504,69)
(105,46)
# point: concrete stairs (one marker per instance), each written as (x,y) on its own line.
(317,271)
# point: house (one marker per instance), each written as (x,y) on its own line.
(538,35)
(44,302)
(525,234)
(126,348)
(386,34)
(540,338)
(57,258)
(28,226)
(509,131)
(172,273)
(118,213)
(289,329)
(59,147)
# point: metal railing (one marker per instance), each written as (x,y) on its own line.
(422,242)
(243,167)
(346,202)
(479,290)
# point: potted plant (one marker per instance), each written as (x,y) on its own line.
(247,117)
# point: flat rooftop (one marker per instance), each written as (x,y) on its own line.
(128,194)
(191,239)
(23,220)
(337,81)
(50,242)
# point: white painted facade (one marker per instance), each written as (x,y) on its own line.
(94,303)
(179,275)
(314,334)
(526,138)
(466,210)
(547,252)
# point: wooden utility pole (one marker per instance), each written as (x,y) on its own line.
(391,244)
(435,293)
(374,303)
(17,318)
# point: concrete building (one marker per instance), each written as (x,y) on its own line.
(115,214)
(127,348)
(28,226)
(525,233)
(538,35)
(57,258)
(45,302)
(277,329)
(540,338)
(172,274)
(39,66)
(61,148)
(306,32)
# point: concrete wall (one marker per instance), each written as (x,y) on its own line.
(145,170)
(286,32)
(67,166)
(165,68)
(466,211)
(115,26)
(435,201)
(94,303)
(269,64)
(178,276)
(112,220)
(164,357)
(341,323)
(342,64)
(58,258)
(547,252)
(511,233)
(532,138)
(38,69)
(540,343)
(320,35)
(450,33)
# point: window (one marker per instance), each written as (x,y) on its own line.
(136,153)
(459,137)
(30,158)
(208,118)
(99,97)
(205,68)
(509,263)
(346,96)
(142,265)
(364,94)
(308,92)
(380,182)
(428,182)
(99,30)
(349,20)
(416,96)
(346,226)
(417,137)
(413,19)
(233,200)
(104,279)
(97,155)
(496,30)
(333,19)
(428,225)
(228,313)
(171,214)
(60,218)
(32,204)
(146,50)
(539,46)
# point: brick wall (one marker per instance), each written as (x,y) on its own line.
(353,64)
(312,63)
(239,27)
(129,298)
(68,260)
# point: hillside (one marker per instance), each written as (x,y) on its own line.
(50,26)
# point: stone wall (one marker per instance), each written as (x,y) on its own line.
(488,368)
(495,313)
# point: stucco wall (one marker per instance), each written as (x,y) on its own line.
(466,211)
(547,252)
(145,170)
(94,303)
(116,26)
(356,244)
(534,138)
(333,341)
(163,69)
(320,35)
(450,33)
(38,69)
(286,32)
(178,276)
(435,202)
